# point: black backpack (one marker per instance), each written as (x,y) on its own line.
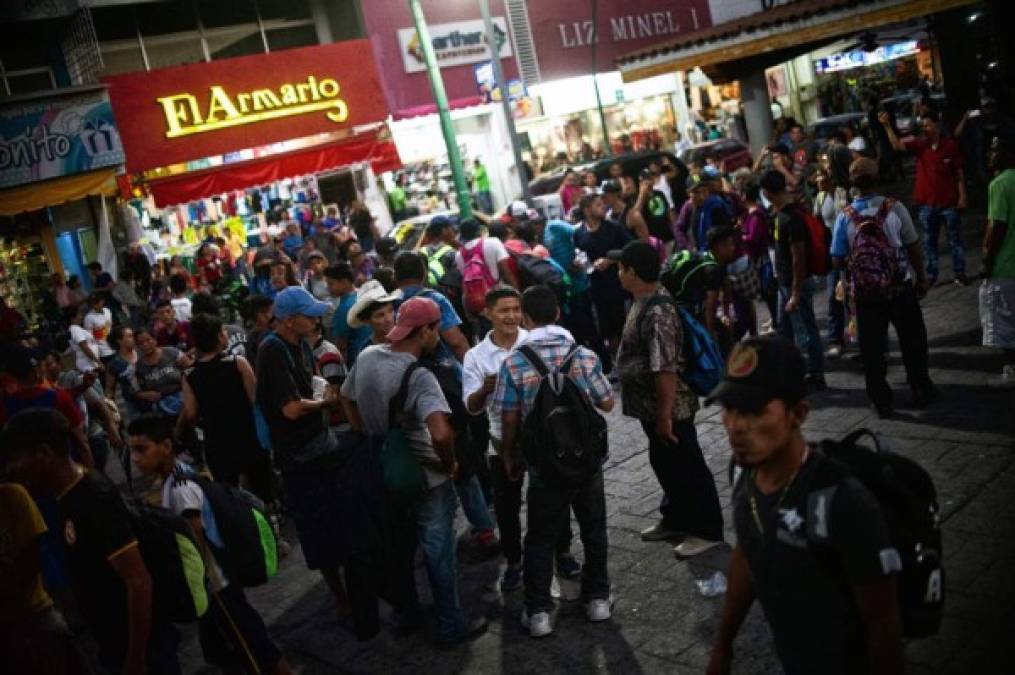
(536,271)
(908,501)
(563,436)
(167,546)
(249,555)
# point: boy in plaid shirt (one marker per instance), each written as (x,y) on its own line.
(515,393)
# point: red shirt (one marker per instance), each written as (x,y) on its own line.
(38,397)
(937,171)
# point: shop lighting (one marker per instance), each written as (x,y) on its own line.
(974,17)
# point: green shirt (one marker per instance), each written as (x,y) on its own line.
(481,179)
(1001,207)
(397,199)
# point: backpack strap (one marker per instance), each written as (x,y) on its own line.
(886,207)
(565,365)
(853,215)
(535,360)
(397,401)
(653,301)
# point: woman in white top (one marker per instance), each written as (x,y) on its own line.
(829,200)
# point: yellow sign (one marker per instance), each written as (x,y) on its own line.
(186,115)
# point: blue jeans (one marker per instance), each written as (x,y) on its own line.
(930,221)
(484,200)
(836,311)
(435,531)
(477,511)
(801,326)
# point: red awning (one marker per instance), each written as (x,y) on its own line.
(382,155)
(431,108)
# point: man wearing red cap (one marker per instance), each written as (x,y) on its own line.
(375,380)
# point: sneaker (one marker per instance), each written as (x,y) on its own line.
(961,279)
(833,352)
(538,624)
(474,629)
(487,542)
(511,580)
(693,546)
(600,609)
(568,567)
(659,532)
(1005,381)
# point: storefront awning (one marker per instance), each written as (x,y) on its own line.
(775,31)
(41,194)
(380,153)
(431,108)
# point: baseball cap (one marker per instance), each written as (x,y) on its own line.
(760,370)
(611,187)
(710,172)
(639,256)
(863,166)
(413,313)
(294,300)
(518,209)
(316,254)
(697,180)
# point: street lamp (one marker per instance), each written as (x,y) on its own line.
(433,72)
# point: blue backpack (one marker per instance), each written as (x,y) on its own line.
(705,364)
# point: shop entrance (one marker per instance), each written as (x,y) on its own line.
(338,188)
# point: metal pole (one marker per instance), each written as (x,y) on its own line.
(498,76)
(595,80)
(433,71)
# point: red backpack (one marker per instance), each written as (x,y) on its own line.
(817,244)
(476,278)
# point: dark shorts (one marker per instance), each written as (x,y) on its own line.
(232,634)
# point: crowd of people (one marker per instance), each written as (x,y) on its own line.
(367,389)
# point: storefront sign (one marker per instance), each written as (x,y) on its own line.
(564,31)
(731,10)
(57,135)
(454,44)
(859,58)
(199,110)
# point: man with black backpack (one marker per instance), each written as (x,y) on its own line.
(875,240)
(813,545)
(651,365)
(547,390)
(232,634)
(794,260)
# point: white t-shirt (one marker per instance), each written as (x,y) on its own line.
(858,144)
(663,186)
(485,359)
(182,307)
(99,324)
(77,336)
(493,253)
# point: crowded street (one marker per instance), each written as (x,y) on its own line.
(505,336)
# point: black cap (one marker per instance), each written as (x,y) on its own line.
(639,256)
(696,180)
(760,370)
(611,187)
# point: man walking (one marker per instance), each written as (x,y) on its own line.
(796,320)
(895,246)
(837,613)
(515,395)
(481,184)
(997,294)
(940,190)
(650,364)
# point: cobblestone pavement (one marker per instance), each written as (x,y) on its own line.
(661,623)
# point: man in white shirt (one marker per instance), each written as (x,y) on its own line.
(479,377)
(99,322)
(83,344)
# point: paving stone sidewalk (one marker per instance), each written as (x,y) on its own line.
(661,623)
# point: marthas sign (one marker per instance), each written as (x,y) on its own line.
(455,44)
